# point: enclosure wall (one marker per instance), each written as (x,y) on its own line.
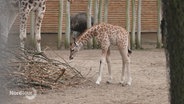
(116,14)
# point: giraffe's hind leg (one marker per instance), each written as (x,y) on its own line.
(126,76)
(39,17)
(108,59)
(23,25)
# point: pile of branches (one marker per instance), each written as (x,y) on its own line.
(36,69)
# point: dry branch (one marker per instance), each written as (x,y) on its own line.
(37,69)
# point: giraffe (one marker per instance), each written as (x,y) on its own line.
(107,35)
(70,1)
(25,7)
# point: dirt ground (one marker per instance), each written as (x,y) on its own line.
(148,70)
(149,84)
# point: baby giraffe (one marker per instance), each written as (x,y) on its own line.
(107,35)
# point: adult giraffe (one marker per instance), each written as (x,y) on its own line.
(9,10)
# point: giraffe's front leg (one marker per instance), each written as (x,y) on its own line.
(102,62)
(22,38)
(23,34)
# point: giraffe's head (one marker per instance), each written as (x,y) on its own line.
(74,48)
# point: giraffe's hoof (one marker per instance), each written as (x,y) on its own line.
(129,83)
(125,83)
(71,58)
(97,82)
(109,82)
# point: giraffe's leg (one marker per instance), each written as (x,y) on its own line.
(23,25)
(123,75)
(102,63)
(126,76)
(108,59)
(38,22)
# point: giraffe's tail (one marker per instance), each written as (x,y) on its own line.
(129,52)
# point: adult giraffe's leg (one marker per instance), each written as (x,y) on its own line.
(23,25)
(126,76)
(38,22)
(102,63)
(108,59)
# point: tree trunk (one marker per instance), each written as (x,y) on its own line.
(95,20)
(89,13)
(128,15)
(132,40)
(159,37)
(100,11)
(32,21)
(173,27)
(67,35)
(95,11)
(106,4)
(60,21)
(128,19)
(138,38)
(90,42)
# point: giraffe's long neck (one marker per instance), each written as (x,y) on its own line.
(85,37)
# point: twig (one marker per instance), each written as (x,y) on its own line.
(60,75)
(68,65)
(37,69)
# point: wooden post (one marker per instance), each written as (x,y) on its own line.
(89,45)
(128,15)
(128,19)
(95,11)
(132,40)
(95,20)
(138,38)
(60,20)
(100,11)
(106,4)
(67,35)
(159,37)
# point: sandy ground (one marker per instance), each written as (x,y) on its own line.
(148,69)
(149,84)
